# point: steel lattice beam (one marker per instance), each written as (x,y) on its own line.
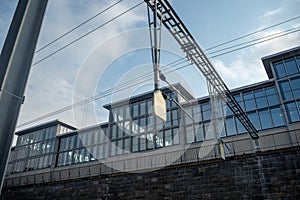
(194,53)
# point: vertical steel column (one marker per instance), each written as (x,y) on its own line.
(18,67)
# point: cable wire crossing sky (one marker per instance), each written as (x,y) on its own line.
(234,34)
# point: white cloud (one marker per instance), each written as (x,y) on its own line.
(50,85)
(272,12)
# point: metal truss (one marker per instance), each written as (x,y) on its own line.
(195,54)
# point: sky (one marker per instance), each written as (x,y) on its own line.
(119,51)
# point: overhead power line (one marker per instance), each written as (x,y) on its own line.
(252,33)
(78,26)
(110,91)
(127,84)
(86,34)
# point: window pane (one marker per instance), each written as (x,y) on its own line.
(292,112)
(277,117)
(285,90)
(260,98)
(291,66)
(230,126)
(206,111)
(265,119)
(189,134)
(272,96)
(295,84)
(249,101)
(197,113)
(175,136)
(168,137)
(159,139)
(143,108)
(254,119)
(199,133)
(279,70)
(240,128)
(187,119)
(135,110)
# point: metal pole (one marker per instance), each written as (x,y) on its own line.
(10,40)
(18,67)
(156,50)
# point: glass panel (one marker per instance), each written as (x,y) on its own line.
(265,119)
(239,100)
(295,84)
(187,119)
(230,126)
(279,70)
(272,96)
(260,98)
(168,122)
(143,108)
(168,137)
(285,90)
(197,113)
(175,120)
(150,141)
(159,139)
(199,133)
(135,144)
(277,117)
(135,110)
(254,119)
(175,136)
(291,66)
(142,142)
(249,101)
(127,144)
(292,112)
(190,138)
(206,111)
(240,128)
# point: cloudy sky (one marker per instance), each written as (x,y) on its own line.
(117,52)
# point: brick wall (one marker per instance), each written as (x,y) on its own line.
(268,175)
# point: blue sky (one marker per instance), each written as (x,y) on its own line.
(65,78)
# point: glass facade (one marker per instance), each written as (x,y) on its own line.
(33,151)
(288,80)
(133,128)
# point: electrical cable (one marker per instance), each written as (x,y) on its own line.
(86,34)
(78,26)
(87,101)
(252,33)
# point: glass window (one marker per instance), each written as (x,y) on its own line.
(206,111)
(150,141)
(187,119)
(168,137)
(230,126)
(295,83)
(240,128)
(175,119)
(168,122)
(249,101)
(189,134)
(199,133)
(254,119)
(197,113)
(285,90)
(239,100)
(279,69)
(175,132)
(135,144)
(142,142)
(291,66)
(292,112)
(149,106)
(159,139)
(135,110)
(207,131)
(260,98)
(143,108)
(265,119)
(272,96)
(277,117)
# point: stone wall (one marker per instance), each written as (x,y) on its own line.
(266,175)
